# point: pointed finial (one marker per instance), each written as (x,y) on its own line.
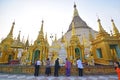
(27,42)
(11,31)
(74,5)
(13,23)
(98,20)
(19,32)
(41,31)
(18,38)
(75,11)
(112,20)
(62,39)
(115,30)
(100,26)
(42,21)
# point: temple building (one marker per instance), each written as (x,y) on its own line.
(106,47)
(11,49)
(80,41)
(75,50)
(40,48)
(83,31)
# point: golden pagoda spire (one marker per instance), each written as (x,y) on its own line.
(115,30)
(73,29)
(41,31)
(41,34)
(18,38)
(46,40)
(11,31)
(55,37)
(75,11)
(27,42)
(62,39)
(101,30)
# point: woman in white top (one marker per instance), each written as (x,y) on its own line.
(80,67)
(37,66)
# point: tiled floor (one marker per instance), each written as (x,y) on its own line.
(31,77)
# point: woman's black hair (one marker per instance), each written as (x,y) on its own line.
(47,58)
(118,64)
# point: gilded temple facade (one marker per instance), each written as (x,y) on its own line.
(82,30)
(79,41)
(11,49)
(106,47)
(5,47)
(40,48)
(16,50)
(75,50)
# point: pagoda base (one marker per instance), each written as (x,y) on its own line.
(88,70)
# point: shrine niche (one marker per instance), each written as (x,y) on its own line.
(75,50)
(36,55)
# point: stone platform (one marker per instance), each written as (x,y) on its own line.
(41,77)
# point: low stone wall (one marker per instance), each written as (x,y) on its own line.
(88,70)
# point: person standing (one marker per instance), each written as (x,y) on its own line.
(117,69)
(80,67)
(48,69)
(57,67)
(67,67)
(37,66)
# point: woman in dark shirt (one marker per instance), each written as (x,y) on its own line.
(57,67)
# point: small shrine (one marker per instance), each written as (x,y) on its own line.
(106,47)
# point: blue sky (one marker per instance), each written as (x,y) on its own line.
(57,15)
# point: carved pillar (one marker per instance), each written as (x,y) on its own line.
(74,52)
(71,56)
(68,52)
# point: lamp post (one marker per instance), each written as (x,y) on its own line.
(51,36)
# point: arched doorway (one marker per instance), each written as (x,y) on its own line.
(115,52)
(36,55)
(78,53)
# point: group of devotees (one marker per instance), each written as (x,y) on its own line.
(67,67)
(57,67)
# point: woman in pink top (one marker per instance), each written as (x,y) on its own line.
(67,66)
